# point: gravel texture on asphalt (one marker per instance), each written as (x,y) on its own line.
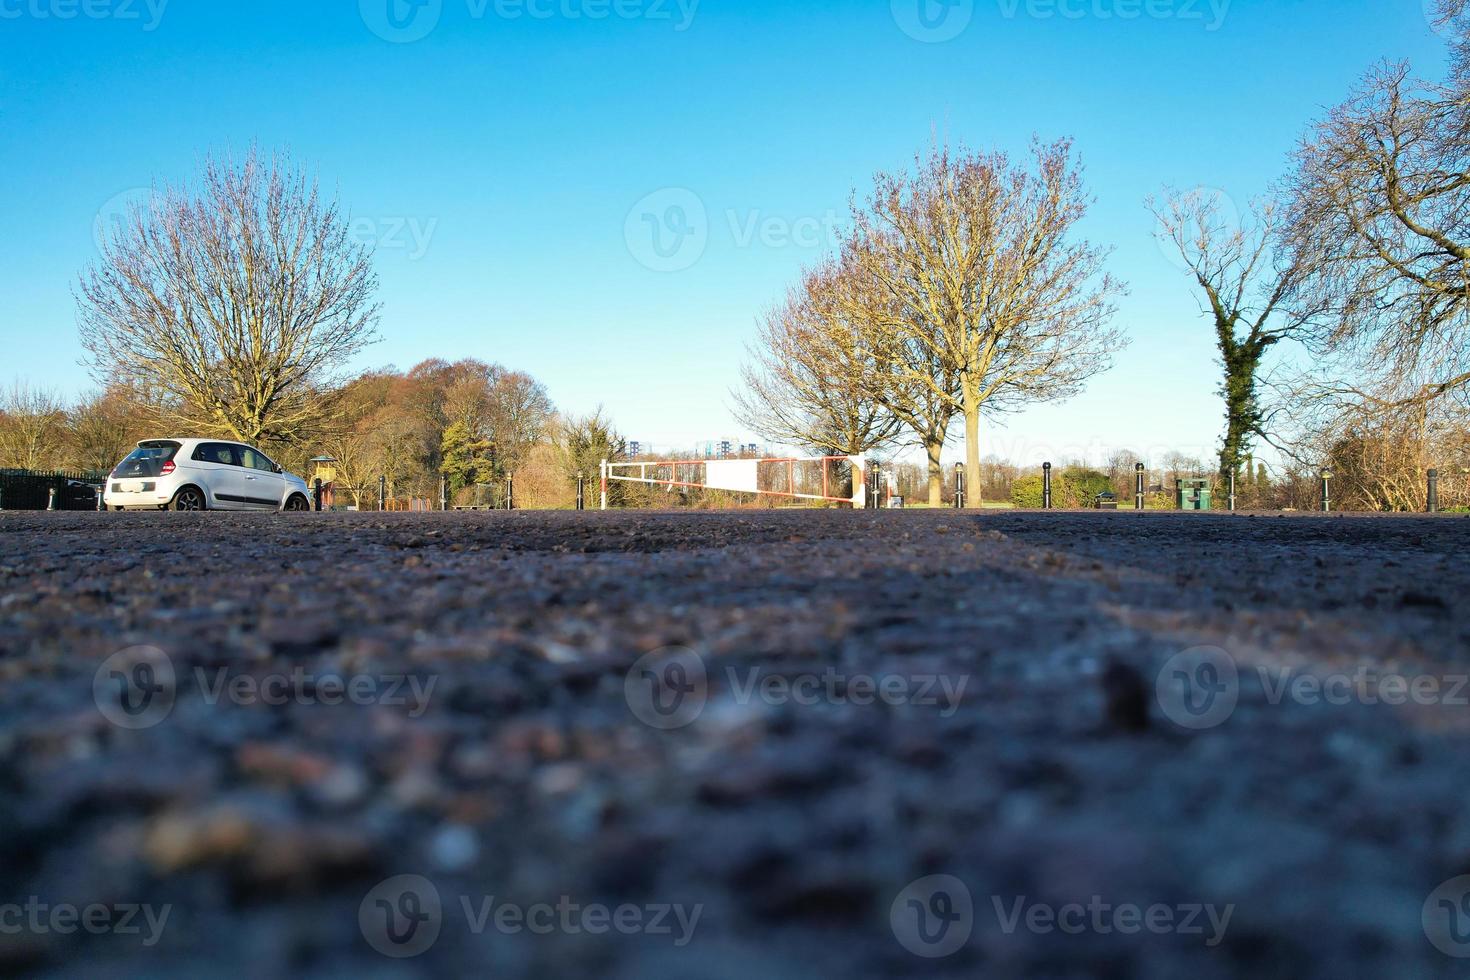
(494,741)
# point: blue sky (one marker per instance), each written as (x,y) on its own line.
(503,155)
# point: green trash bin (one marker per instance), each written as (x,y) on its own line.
(1193,494)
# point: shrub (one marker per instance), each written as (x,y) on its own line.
(1079,487)
(1026,492)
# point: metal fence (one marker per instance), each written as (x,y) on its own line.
(30,490)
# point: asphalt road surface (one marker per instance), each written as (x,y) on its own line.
(781,745)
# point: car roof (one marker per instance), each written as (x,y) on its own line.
(185,440)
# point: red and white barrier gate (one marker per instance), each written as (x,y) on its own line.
(826,479)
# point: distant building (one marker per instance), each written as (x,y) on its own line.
(635,449)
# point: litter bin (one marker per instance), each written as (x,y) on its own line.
(1106,501)
(1194,494)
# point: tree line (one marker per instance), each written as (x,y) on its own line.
(965,290)
(233,307)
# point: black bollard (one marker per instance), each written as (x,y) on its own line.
(1138,486)
(382,493)
(1433,506)
(959,486)
(1232,493)
(100,505)
(1326,491)
(1046,486)
(444,491)
(581,492)
(316,494)
(510,493)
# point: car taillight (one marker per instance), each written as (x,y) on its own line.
(167,468)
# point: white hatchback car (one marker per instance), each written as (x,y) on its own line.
(202,474)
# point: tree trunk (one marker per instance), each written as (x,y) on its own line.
(972,451)
(935,450)
(1242,413)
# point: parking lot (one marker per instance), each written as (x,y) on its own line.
(733,744)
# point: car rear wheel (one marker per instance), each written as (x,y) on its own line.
(298,504)
(189,498)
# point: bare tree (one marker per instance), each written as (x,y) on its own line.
(807,379)
(979,280)
(1249,291)
(1450,14)
(32,427)
(243,300)
(1379,209)
(906,371)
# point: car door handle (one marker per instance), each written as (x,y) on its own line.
(252,478)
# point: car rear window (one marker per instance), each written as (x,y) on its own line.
(147,460)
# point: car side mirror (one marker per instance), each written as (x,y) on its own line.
(280,468)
